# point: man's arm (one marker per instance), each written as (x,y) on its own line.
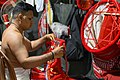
(20,51)
(33,45)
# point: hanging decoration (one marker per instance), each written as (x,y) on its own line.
(46,19)
(84,4)
(6,11)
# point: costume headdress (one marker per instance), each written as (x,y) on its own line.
(100,29)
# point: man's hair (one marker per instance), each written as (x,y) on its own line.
(22,7)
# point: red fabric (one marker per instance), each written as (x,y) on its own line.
(108,0)
(101,72)
(54,70)
(6,20)
(118,43)
(43,27)
(37,74)
(2,2)
(108,24)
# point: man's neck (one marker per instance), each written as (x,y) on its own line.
(18,28)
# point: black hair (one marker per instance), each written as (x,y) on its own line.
(23,7)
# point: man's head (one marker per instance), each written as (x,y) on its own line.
(23,13)
(22,7)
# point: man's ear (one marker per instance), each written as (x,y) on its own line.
(20,16)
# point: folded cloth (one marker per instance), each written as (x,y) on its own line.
(21,74)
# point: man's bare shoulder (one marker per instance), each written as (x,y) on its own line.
(10,35)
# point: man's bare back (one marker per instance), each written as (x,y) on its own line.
(10,34)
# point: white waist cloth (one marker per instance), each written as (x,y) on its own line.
(21,74)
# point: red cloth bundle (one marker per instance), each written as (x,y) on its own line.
(53,70)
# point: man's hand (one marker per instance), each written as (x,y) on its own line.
(59,51)
(50,37)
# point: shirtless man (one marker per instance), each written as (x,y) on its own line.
(16,46)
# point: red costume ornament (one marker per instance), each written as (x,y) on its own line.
(100,36)
(84,4)
(101,40)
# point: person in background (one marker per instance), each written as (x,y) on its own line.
(16,46)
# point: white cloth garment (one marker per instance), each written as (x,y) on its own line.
(30,2)
(59,29)
(39,5)
(21,74)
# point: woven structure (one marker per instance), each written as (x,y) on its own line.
(100,29)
